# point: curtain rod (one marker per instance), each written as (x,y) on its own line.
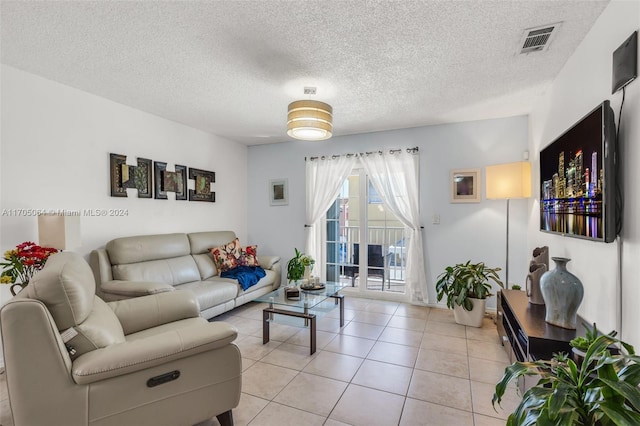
(413,150)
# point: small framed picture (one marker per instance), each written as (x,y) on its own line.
(465,186)
(279,192)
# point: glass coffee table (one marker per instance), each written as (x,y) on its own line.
(303,307)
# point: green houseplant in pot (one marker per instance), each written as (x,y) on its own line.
(580,344)
(299,265)
(466,287)
(602,391)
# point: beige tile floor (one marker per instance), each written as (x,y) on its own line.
(391,364)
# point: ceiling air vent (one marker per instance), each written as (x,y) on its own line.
(538,39)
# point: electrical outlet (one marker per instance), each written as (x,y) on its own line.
(436,219)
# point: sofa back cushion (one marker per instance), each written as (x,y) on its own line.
(157,258)
(206,265)
(143,248)
(201,243)
(176,270)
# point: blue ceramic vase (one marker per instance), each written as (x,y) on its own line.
(562,293)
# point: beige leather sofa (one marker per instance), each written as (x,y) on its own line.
(150,264)
(72,359)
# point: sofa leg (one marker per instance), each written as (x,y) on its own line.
(225,419)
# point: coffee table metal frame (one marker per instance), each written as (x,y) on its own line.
(309,318)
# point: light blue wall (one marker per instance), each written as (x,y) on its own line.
(466,231)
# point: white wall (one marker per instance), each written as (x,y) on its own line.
(583,83)
(56,142)
(467,231)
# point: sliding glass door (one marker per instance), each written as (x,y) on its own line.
(365,241)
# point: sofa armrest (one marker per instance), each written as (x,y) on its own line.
(121,289)
(267,262)
(146,312)
(128,357)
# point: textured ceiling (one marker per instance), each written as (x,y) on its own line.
(232,67)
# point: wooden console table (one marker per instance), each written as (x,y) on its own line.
(525,333)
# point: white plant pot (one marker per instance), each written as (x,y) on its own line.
(473,317)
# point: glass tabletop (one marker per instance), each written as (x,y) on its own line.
(308,298)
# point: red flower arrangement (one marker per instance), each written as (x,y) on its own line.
(22,262)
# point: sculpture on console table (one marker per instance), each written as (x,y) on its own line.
(536,270)
(538,266)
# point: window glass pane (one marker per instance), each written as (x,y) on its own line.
(384,245)
(374,198)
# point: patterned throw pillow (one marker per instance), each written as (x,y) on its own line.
(226,256)
(248,256)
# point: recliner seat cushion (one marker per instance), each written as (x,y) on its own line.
(212,292)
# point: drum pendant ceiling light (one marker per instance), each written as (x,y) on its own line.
(309,120)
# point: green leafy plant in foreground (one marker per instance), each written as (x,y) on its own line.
(602,391)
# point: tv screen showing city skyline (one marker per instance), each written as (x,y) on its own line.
(572,180)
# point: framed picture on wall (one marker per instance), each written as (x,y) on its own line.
(279,192)
(203,180)
(465,185)
(166,181)
(123,176)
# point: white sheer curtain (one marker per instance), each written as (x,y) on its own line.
(325,176)
(395,176)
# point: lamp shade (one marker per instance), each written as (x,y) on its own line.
(309,120)
(58,231)
(506,181)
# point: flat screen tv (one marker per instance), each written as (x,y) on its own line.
(578,185)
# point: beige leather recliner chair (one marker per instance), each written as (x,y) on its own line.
(72,359)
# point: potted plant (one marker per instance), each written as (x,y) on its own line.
(19,264)
(467,286)
(602,391)
(580,344)
(299,266)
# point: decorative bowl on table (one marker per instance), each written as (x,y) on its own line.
(312,286)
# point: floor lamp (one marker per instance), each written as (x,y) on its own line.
(505,182)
